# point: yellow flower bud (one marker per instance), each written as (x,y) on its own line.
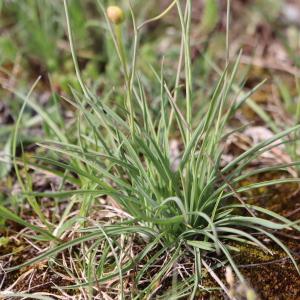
(115,14)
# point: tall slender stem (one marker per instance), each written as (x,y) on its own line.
(188,67)
(185,27)
(120,44)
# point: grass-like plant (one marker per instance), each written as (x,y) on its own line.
(180,208)
(44,19)
(291,105)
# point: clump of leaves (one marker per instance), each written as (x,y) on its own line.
(178,205)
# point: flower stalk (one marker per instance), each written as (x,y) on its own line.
(116,16)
